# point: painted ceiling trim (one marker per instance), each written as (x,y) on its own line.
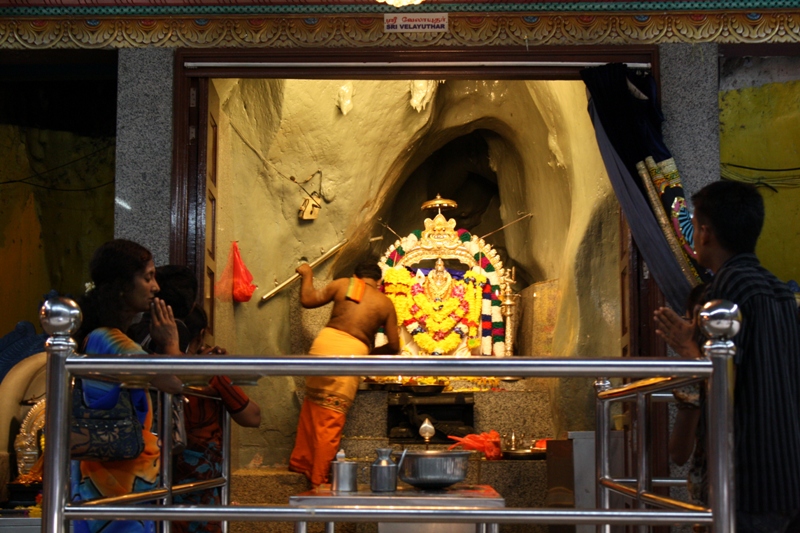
(366,30)
(88,8)
(190,8)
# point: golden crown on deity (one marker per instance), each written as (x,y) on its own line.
(439,239)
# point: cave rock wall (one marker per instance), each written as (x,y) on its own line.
(357,145)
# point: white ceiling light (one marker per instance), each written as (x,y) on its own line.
(401,3)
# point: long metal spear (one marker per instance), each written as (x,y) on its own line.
(296,276)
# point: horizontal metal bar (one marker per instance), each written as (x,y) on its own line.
(649,497)
(149,365)
(400,64)
(134,497)
(513,515)
(670,503)
(645,386)
(198,485)
(657,481)
(663,397)
(154,494)
(194,391)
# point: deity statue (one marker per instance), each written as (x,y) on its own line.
(438,283)
(440,315)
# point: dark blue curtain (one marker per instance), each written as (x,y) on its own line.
(628,129)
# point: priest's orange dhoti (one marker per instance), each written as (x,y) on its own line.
(327,400)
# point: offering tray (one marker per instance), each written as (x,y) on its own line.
(525,454)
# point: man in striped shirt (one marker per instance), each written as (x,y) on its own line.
(727,222)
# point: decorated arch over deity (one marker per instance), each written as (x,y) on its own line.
(462,305)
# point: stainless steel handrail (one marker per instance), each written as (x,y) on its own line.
(383,365)
(279,513)
(154,494)
(657,481)
(720,321)
(649,386)
(649,497)
(60,317)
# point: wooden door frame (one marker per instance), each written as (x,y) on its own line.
(190,98)
(190,107)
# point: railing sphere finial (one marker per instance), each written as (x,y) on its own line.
(60,316)
(720,319)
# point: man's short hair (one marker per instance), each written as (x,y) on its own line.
(734,211)
(368,269)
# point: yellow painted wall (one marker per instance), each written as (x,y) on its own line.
(22,264)
(760,127)
(56,207)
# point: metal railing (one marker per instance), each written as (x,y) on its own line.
(720,321)
(60,318)
(166,489)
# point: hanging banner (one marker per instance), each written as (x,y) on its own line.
(413,22)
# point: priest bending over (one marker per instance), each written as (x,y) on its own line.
(359,311)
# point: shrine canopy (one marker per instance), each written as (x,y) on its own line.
(454,306)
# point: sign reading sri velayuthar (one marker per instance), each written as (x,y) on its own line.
(412,22)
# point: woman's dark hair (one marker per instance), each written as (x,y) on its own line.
(734,211)
(112,269)
(178,288)
(196,321)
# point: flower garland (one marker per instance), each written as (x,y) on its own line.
(476,281)
(396,253)
(438,326)
(490,320)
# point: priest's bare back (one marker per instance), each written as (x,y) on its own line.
(362,320)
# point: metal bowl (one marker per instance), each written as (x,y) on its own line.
(433,469)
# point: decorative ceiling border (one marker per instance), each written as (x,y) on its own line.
(366,30)
(200,8)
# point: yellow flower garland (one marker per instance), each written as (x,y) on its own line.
(398,283)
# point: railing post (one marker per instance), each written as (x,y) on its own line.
(60,318)
(643,444)
(601,449)
(225,492)
(165,427)
(720,320)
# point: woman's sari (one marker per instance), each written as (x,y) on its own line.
(95,479)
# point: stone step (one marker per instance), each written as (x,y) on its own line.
(274,485)
(266,485)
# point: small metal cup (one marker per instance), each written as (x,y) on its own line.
(344,476)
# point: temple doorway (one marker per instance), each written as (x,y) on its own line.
(368,152)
